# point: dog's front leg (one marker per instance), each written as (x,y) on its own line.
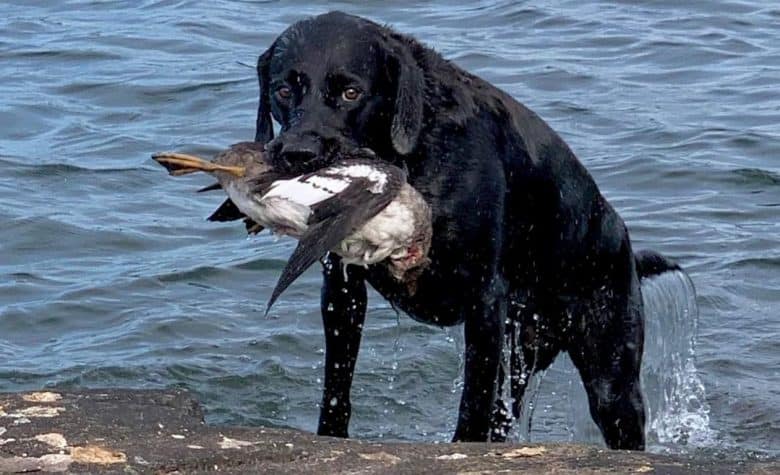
(484,333)
(343,312)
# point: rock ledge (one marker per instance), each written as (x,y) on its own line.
(141,431)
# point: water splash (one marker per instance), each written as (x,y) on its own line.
(523,424)
(678,414)
(525,420)
(454,335)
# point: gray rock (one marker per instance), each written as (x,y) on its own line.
(141,431)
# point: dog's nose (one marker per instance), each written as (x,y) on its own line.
(299,153)
(303,152)
(296,151)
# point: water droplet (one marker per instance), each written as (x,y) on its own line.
(334,401)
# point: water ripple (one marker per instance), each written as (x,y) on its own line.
(109,274)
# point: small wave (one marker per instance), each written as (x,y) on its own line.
(757,176)
(24,167)
(769,263)
(151,90)
(64,54)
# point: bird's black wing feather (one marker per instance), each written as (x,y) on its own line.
(332,221)
(227,211)
(252,227)
(341,202)
(212,187)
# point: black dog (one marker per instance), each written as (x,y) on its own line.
(526,252)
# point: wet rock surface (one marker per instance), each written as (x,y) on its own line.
(141,431)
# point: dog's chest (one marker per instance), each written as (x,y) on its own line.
(442,290)
(465,218)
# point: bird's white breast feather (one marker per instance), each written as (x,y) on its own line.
(387,233)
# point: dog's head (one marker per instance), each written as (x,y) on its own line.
(336,83)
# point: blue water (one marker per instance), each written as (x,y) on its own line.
(110,276)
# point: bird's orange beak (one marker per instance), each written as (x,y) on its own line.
(182,164)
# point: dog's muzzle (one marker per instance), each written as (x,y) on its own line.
(306,152)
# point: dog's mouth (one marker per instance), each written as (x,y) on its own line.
(295,162)
(356,153)
(298,159)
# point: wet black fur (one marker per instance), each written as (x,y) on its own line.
(525,252)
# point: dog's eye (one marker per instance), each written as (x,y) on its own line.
(284,92)
(351,94)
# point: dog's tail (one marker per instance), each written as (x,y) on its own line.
(650,263)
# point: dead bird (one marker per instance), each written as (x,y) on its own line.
(359,207)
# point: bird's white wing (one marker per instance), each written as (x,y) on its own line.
(375,175)
(308,190)
(364,190)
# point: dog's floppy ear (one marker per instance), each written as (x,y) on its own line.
(265,130)
(408,114)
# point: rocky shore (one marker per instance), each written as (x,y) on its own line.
(162,432)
